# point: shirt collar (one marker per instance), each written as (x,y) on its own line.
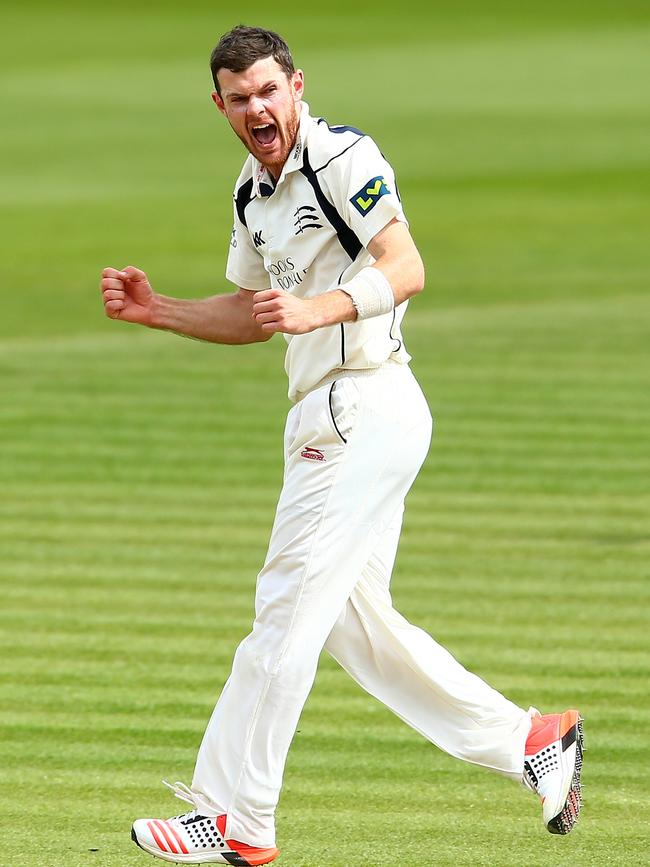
(263,184)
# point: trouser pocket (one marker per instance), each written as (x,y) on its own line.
(343,406)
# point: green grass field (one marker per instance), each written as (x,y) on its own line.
(139,471)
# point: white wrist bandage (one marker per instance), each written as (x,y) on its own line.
(370,292)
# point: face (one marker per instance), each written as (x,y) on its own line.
(262,106)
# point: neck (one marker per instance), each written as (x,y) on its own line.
(275,170)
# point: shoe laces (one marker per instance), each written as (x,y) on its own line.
(528,780)
(201,810)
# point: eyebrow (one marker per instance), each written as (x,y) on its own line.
(262,87)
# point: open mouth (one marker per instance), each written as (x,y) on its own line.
(265,133)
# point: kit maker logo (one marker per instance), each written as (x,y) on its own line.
(368,196)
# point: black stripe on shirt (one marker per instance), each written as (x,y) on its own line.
(320,168)
(340,127)
(243,199)
(347,238)
(342,328)
(390,335)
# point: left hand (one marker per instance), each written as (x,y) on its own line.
(276,310)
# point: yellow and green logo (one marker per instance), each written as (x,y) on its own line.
(369,194)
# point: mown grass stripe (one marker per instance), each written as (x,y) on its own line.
(137,466)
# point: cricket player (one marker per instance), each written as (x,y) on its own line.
(321,252)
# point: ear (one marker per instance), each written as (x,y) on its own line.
(216,99)
(298,85)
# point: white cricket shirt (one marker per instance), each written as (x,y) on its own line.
(309,233)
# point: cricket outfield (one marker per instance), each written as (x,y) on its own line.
(139,471)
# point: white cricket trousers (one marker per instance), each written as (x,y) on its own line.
(353,447)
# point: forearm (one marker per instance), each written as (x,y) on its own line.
(396,275)
(217,319)
(398,259)
(404,273)
(399,278)
(276,310)
(331,308)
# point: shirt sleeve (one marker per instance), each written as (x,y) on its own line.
(366,190)
(245,266)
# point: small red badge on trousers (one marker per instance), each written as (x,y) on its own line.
(312,454)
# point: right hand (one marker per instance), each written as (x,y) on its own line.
(127,295)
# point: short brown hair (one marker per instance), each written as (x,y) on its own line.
(243,46)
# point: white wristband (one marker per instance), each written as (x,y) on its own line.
(370,292)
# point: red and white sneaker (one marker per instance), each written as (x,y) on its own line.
(196,839)
(552,765)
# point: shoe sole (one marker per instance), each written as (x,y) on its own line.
(232,858)
(565,820)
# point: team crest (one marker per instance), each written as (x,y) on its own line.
(368,196)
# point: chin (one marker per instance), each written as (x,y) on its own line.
(273,160)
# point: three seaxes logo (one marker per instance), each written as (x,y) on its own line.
(307,218)
(312,454)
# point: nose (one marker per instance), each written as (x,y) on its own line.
(255,106)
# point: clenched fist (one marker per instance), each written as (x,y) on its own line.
(275,310)
(127,295)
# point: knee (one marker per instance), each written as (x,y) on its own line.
(257,657)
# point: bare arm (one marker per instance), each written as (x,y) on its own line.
(396,257)
(227,318)
(218,319)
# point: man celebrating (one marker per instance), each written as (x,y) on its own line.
(321,252)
